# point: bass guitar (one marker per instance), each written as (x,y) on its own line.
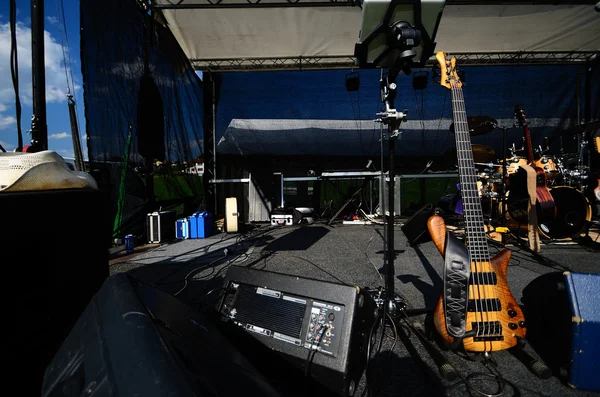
(476,309)
(546,208)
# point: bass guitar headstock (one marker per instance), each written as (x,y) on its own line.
(520,116)
(449,76)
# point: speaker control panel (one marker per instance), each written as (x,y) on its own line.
(323,330)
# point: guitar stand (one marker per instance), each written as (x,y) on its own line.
(538,368)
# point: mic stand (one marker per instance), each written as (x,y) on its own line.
(392,118)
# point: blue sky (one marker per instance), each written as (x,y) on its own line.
(59,128)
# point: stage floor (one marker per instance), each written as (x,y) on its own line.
(353,254)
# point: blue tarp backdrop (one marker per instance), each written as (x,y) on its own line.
(312,113)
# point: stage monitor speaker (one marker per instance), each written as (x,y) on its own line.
(55,253)
(415,228)
(562,311)
(137,340)
(321,328)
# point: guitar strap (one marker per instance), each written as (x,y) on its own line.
(532,224)
(457,271)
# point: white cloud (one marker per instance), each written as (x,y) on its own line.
(6,121)
(52,20)
(60,135)
(56,84)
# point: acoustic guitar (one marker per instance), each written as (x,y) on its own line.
(476,309)
(546,208)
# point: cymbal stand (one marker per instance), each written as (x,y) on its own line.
(504,175)
(580,167)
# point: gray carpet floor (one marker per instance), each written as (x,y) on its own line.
(352,254)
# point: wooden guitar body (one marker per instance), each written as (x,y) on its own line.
(545,202)
(546,208)
(518,198)
(510,316)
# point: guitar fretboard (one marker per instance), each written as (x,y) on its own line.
(476,238)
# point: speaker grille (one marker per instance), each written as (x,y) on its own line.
(269,312)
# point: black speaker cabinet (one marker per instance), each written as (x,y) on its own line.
(136,340)
(55,256)
(415,229)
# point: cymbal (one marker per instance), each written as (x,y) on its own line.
(479,125)
(481,153)
(583,127)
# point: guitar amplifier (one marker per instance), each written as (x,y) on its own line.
(319,327)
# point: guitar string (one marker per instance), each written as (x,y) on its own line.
(482,240)
(481,243)
(474,216)
(462,151)
(494,302)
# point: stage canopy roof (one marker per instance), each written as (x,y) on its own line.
(316,34)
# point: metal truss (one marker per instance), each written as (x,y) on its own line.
(274,64)
(525,58)
(348,62)
(220,4)
(204,4)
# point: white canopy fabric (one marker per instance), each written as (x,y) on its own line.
(240,33)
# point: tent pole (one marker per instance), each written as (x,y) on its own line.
(39,128)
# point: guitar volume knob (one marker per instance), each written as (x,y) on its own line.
(512,326)
(512,313)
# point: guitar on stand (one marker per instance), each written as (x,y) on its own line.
(476,310)
(546,208)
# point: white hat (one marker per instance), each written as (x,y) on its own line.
(45,170)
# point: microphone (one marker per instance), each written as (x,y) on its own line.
(597,8)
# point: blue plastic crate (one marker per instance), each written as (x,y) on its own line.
(201,224)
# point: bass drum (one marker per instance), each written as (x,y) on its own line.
(573,211)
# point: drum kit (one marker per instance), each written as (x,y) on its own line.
(566,175)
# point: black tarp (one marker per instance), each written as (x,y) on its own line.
(118,44)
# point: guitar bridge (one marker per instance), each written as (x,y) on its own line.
(487,331)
